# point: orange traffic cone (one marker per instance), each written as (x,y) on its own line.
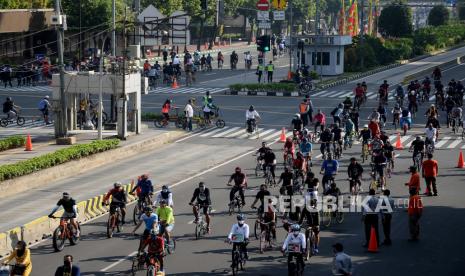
(460,163)
(398,142)
(373,244)
(282,137)
(175,84)
(29,143)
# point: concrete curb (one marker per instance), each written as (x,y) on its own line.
(68,169)
(43,227)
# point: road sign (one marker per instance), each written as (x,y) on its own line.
(263,15)
(278,15)
(264,25)
(263,5)
(279,4)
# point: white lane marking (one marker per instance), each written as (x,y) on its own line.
(221,134)
(347,94)
(336,94)
(234,134)
(263,133)
(397,155)
(454,143)
(248,135)
(404,139)
(318,156)
(213,131)
(373,96)
(442,142)
(269,137)
(118,262)
(319,93)
(392,137)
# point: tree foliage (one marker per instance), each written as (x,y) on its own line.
(439,15)
(25,4)
(396,20)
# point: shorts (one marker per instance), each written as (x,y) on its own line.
(69,215)
(380,170)
(114,205)
(44,111)
(206,115)
(204,207)
(168,227)
(146,234)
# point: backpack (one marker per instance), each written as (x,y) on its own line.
(334,111)
(405,113)
(42,105)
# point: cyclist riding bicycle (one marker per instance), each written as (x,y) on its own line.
(270,161)
(355,172)
(396,111)
(320,120)
(376,145)
(432,112)
(329,169)
(295,244)
(296,122)
(359,93)
(388,150)
(312,183)
(269,220)
(202,200)
(287,179)
(299,166)
(261,194)
(151,222)
(10,109)
(365,134)
(418,146)
(251,115)
(312,215)
(261,152)
(379,163)
(166,218)
(406,117)
(144,187)
(325,138)
(374,128)
(400,93)
(239,235)
(70,211)
(347,103)
(288,148)
(306,149)
(431,134)
(374,116)
(156,247)
(456,115)
(118,200)
(382,113)
(412,101)
(240,182)
(337,137)
(164,194)
(349,129)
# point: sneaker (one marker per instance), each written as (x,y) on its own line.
(436,194)
(315,251)
(78,233)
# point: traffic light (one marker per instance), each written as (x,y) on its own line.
(204,4)
(263,43)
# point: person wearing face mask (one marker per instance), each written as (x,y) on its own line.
(295,245)
(239,235)
(240,182)
(68,269)
(164,194)
(202,197)
(70,211)
(22,256)
(342,263)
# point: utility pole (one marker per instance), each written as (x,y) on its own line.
(61,127)
(290,37)
(362,33)
(123,107)
(113,53)
(317,32)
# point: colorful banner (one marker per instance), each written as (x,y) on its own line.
(370,17)
(342,19)
(356,29)
(352,25)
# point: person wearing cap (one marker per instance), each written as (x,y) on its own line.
(44,106)
(342,263)
(240,182)
(70,210)
(166,217)
(118,199)
(239,235)
(145,186)
(156,246)
(150,220)
(414,182)
(202,197)
(164,194)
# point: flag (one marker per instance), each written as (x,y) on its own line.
(356,28)
(342,19)
(370,17)
(352,20)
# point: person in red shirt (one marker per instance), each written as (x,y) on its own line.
(414,183)
(165,109)
(430,171)
(374,128)
(415,210)
(156,247)
(288,148)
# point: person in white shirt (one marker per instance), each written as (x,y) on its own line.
(251,116)
(189,112)
(295,245)
(239,235)
(164,194)
(431,134)
(342,263)
(176,61)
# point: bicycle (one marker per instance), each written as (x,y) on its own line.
(238,256)
(310,238)
(396,120)
(265,236)
(268,176)
(4,122)
(139,208)
(365,151)
(294,267)
(389,167)
(64,231)
(12,270)
(348,140)
(201,228)
(176,118)
(114,221)
(337,150)
(288,159)
(236,203)
(170,247)
(417,161)
(139,263)
(354,185)
(259,166)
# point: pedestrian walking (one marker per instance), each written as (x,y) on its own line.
(44,106)
(310,108)
(414,182)
(68,268)
(189,111)
(342,263)
(259,73)
(370,216)
(269,71)
(303,110)
(415,211)
(430,171)
(386,216)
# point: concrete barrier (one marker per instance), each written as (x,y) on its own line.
(9,240)
(24,183)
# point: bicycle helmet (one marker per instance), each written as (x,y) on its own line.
(8,98)
(162,201)
(148,209)
(238,169)
(297,115)
(164,187)
(117,185)
(153,232)
(365,126)
(66,195)
(240,217)
(46,97)
(295,227)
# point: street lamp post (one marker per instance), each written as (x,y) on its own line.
(100,94)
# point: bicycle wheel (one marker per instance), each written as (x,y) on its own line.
(73,240)
(135,265)
(159,123)
(262,242)
(151,270)
(340,217)
(181,123)
(172,246)
(257,169)
(235,264)
(136,213)
(110,226)
(197,231)
(220,123)
(201,124)
(308,250)
(256,228)
(58,239)
(4,122)
(326,218)
(20,121)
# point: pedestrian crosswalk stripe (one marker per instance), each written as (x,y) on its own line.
(211,132)
(348,94)
(442,142)
(319,93)
(186,90)
(264,133)
(246,134)
(454,144)
(336,94)
(234,134)
(225,132)
(372,96)
(266,138)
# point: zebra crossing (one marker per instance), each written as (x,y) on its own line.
(186,90)
(270,135)
(29,124)
(349,93)
(44,88)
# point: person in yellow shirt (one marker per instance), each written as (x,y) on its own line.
(22,256)
(166,219)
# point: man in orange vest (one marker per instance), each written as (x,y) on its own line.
(430,171)
(303,110)
(414,183)
(415,210)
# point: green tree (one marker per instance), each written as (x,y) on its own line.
(396,20)
(166,7)
(25,4)
(439,15)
